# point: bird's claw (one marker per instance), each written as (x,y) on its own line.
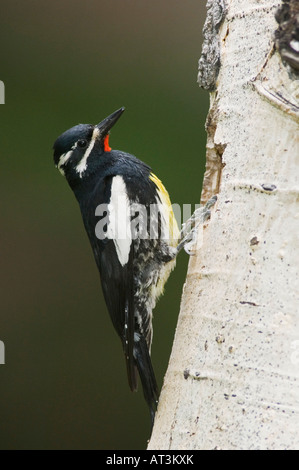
(190,228)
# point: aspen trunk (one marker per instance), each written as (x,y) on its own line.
(233,376)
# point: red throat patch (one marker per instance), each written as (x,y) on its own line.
(107,147)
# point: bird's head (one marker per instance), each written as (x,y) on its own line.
(78,151)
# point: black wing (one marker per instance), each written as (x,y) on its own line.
(117,265)
(116,278)
(117,285)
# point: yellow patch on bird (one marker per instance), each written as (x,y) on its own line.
(171,229)
(167,211)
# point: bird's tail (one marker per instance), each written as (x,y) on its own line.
(146,373)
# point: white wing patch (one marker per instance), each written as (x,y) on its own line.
(82,165)
(119,229)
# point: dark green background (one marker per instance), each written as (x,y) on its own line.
(63,62)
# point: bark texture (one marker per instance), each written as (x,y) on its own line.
(233,375)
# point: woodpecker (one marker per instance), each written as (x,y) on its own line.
(114,190)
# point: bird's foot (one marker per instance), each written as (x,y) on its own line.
(189,230)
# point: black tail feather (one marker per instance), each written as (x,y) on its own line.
(146,373)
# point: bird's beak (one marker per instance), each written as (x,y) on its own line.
(105,125)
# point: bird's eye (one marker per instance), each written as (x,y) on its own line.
(82,143)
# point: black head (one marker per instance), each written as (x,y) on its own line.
(78,149)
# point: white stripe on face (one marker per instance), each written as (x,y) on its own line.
(119,229)
(64,158)
(82,165)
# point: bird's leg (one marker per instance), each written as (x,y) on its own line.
(190,228)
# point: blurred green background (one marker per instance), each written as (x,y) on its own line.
(64,384)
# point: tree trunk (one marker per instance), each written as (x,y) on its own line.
(233,375)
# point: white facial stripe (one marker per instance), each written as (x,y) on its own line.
(64,158)
(119,229)
(82,165)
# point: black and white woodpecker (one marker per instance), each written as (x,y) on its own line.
(134,263)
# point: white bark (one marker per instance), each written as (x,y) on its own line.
(233,375)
